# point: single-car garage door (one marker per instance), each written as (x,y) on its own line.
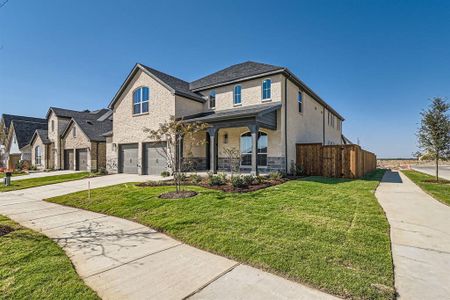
(81,159)
(68,159)
(128,158)
(155,161)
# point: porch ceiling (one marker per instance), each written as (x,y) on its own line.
(264,115)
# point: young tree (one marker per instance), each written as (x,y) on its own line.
(173,132)
(234,158)
(434,131)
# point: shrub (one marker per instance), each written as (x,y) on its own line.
(258,179)
(238,182)
(216,180)
(196,179)
(165,174)
(248,179)
(275,175)
(102,171)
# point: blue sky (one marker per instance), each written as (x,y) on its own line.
(376,62)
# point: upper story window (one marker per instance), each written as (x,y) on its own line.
(237,95)
(53,125)
(266,89)
(339,124)
(140,100)
(74,132)
(300,102)
(212,99)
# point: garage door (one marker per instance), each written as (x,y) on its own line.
(81,159)
(68,160)
(128,158)
(154,159)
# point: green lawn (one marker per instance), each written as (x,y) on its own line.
(440,191)
(33,182)
(34,267)
(328,233)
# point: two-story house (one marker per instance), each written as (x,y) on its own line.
(262,110)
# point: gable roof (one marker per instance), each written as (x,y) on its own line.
(68,113)
(7,119)
(24,130)
(43,135)
(94,127)
(234,72)
(175,85)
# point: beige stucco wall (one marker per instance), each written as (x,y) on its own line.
(333,134)
(251,93)
(185,106)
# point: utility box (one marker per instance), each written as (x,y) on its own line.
(7,179)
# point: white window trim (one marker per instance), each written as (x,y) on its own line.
(262,90)
(140,102)
(234,95)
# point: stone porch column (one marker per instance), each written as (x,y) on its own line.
(212,148)
(254,129)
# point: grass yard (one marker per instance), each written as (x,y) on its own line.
(440,191)
(34,267)
(34,182)
(328,233)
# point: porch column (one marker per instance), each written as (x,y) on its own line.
(254,129)
(212,148)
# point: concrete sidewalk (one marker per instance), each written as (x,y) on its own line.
(120,259)
(43,174)
(420,233)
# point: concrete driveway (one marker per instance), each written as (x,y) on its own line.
(120,259)
(444,171)
(420,235)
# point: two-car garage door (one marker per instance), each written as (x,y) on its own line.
(153,158)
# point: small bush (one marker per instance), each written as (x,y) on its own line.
(102,171)
(165,174)
(275,175)
(238,182)
(216,180)
(248,179)
(196,179)
(258,179)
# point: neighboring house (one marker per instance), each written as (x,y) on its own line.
(41,150)
(19,136)
(5,123)
(84,142)
(58,119)
(262,110)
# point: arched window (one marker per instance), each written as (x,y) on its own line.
(237,95)
(246,149)
(140,100)
(37,155)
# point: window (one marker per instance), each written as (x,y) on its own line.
(339,124)
(237,95)
(140,100)
(300,102)
(266,92)
(53,125)
(74,132)
(37,155)
(246,149)
(212,99)
(225,138)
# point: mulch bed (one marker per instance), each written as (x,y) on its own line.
(179,195)
(228,188)
(5,230)
(441,181)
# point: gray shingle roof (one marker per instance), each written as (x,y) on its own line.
(234,72)
(180,86)
(240,112)
(24,130)
(43,134)
(94,125)
(8,118)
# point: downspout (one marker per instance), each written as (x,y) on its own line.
(285,124)
(323,126)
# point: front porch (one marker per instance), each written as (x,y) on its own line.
(253,133)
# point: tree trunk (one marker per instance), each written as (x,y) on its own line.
(437,168)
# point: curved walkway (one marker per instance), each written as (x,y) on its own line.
(120,259)
(420,234)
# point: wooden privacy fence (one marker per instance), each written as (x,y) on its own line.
(345,161)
